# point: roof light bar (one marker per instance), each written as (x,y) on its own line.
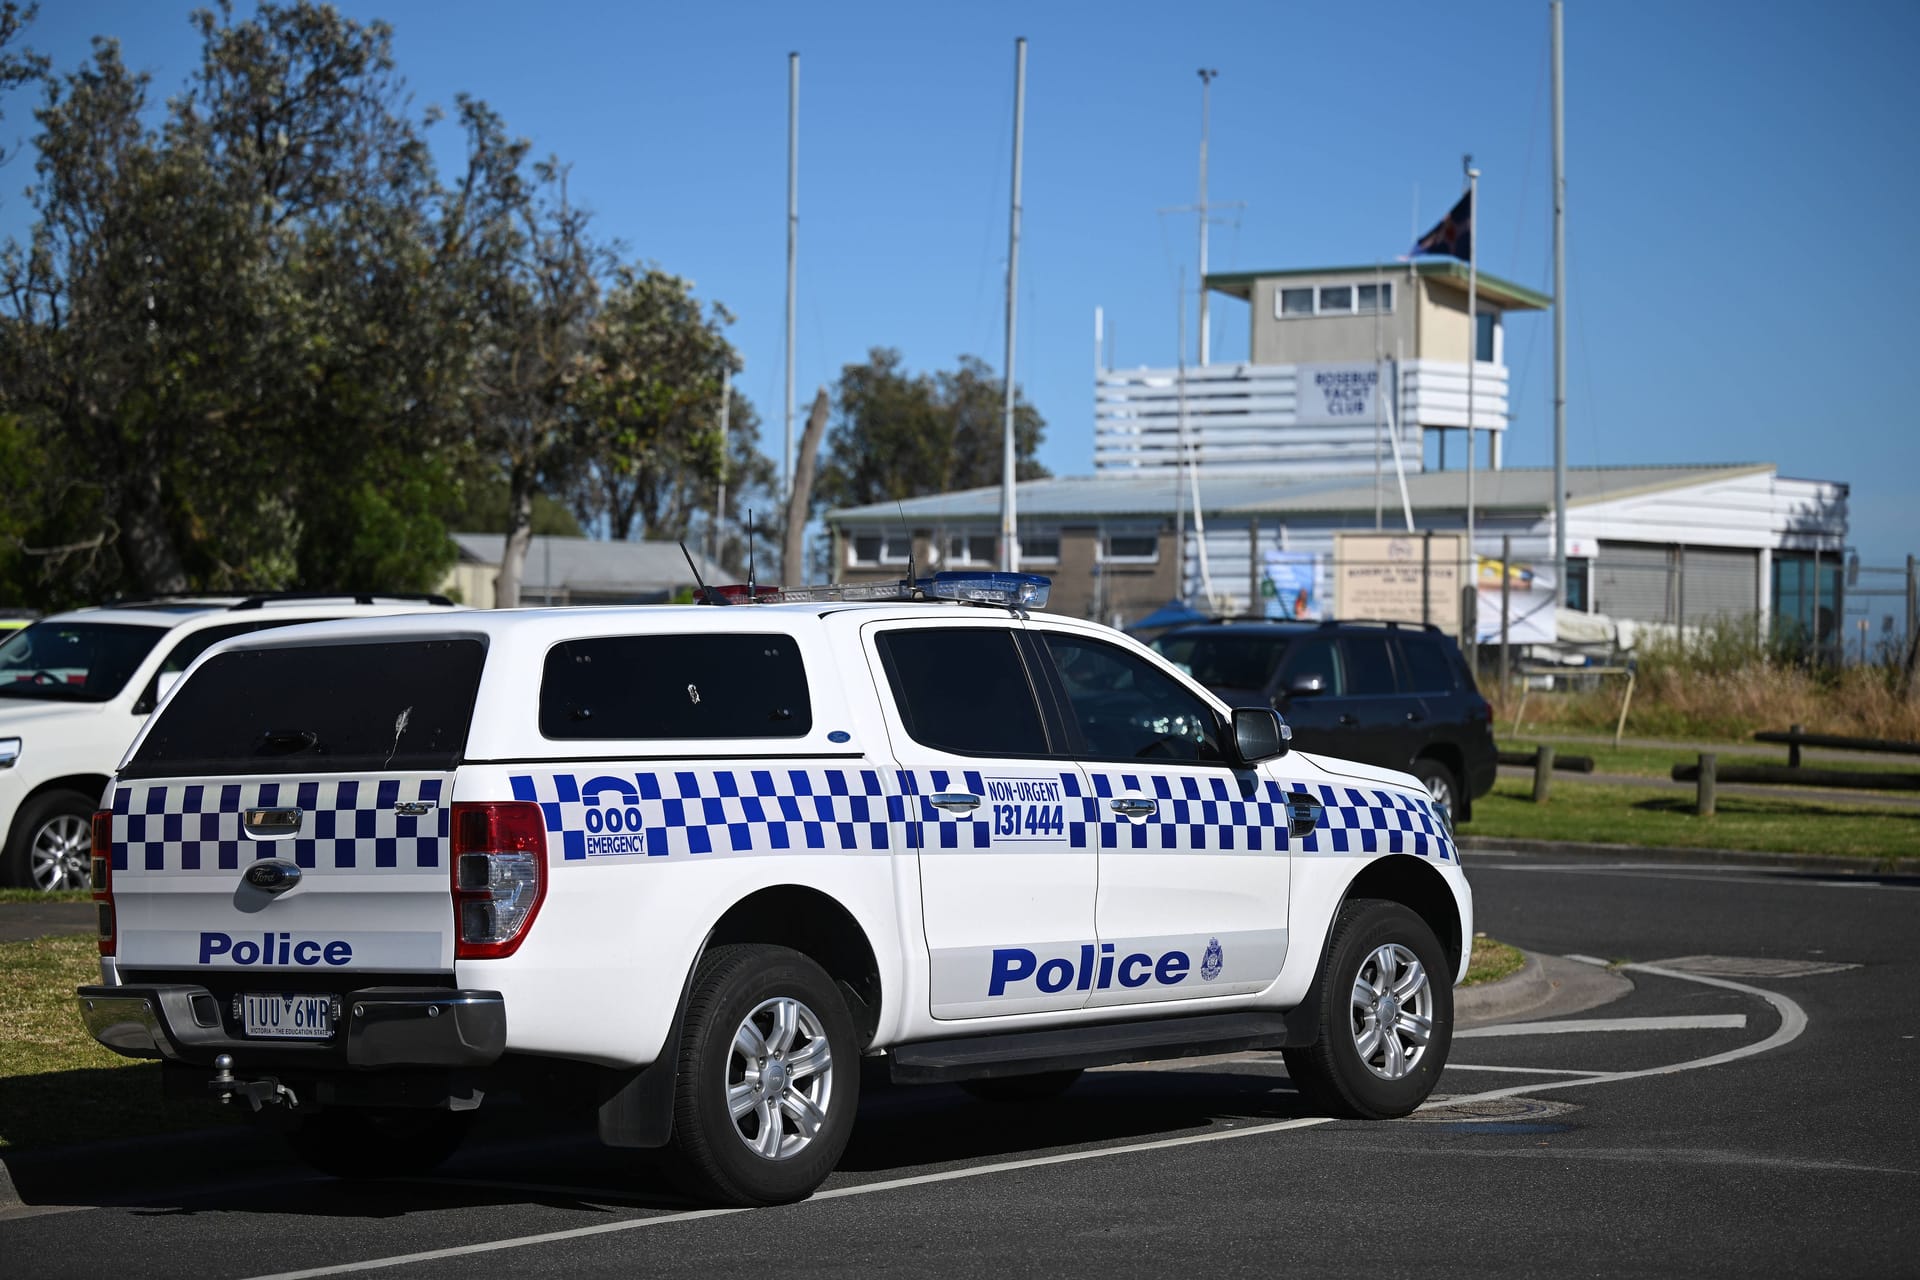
(1014,590)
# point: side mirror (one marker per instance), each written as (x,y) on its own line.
(1306,685)
(1259,734)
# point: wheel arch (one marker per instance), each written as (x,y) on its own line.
(819,927)
(1416,885)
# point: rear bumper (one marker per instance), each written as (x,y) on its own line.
(377,1027)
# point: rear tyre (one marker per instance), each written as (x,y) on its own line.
(769,1077)
(1440,784)
(377,1142)
(51,845)
(1038,1087)
(1386,1015)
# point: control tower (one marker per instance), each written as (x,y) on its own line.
(1325,343)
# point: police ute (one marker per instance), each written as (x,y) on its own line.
(695,870)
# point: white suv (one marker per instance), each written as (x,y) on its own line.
(697,869)
(75,687)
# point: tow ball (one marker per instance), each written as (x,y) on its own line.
(264,1092)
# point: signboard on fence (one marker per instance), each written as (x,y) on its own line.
(1335,395)
(1531,617)
(1293,585)
(1399,577)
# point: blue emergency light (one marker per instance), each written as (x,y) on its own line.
(1020,590)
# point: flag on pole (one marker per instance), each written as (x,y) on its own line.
(1452,236)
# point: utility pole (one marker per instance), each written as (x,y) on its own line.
(1009,525)
(1473,357)
(793,246)
(1207,77)
(1559,318)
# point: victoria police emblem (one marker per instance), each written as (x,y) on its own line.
(1212,962)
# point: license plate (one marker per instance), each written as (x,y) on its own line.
(288,1017)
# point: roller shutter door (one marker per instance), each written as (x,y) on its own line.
(1720,583)
(1633,580)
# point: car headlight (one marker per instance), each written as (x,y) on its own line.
(9,752)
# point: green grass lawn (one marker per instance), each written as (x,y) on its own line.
(38,895)
(57,1086)
(1598,812)
(1491,961)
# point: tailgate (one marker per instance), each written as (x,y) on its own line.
(289,807)
(356,875)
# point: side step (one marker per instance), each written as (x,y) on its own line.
(1022,1053)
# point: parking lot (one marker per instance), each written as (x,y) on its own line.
(1738,1100)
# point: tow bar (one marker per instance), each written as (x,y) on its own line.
(264,1092)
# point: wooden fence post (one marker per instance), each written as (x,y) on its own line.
(1542,773)
(1709,771)
(1793,748)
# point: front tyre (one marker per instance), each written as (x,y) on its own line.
(1386,1015)
(378,1142)
(769,1077)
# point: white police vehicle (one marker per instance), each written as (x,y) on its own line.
(75,687)
(700,868)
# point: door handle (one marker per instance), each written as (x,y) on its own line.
(1133,807)
(955,801)
(270,824)
(1349,719)
(1415,715)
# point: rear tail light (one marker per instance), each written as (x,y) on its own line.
(499,876)
(103,879)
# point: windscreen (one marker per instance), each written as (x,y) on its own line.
(73,661)
(338,708)
(1225,661)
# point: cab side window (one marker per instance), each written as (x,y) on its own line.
(198,643)
(1128,709)
(1312,656)
(964,690)
(1427,668)
(1369,665)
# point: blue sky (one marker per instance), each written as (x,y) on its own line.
(1742,186)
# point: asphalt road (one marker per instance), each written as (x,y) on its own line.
(1745,1108)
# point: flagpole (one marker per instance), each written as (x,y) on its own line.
(1473,355)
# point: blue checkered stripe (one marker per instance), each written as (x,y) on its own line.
(689,812)
(1364,820)
(1201,814)
(350,825)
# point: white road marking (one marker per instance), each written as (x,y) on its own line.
(1523,1071)
(1595,961)
(1793,1021)
(833,1193)
(1692,1022)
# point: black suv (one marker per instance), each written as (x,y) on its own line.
(1398,695)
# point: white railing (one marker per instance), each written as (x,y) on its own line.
(1314,418)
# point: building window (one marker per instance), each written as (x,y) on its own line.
(878,548)
(1040,546)
(1334,300)
(1580,585)
(1130,547)
(1370,298)
(971,549)
(1483,344)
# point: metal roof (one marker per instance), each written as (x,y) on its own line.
(1270,492)
(1505,293)
(584,565)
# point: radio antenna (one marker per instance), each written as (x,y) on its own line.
(706,592)
(750,591)
(905,529)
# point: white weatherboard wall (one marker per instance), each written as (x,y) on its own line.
(1243,416)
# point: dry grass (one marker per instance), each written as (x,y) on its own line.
(1676,700)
